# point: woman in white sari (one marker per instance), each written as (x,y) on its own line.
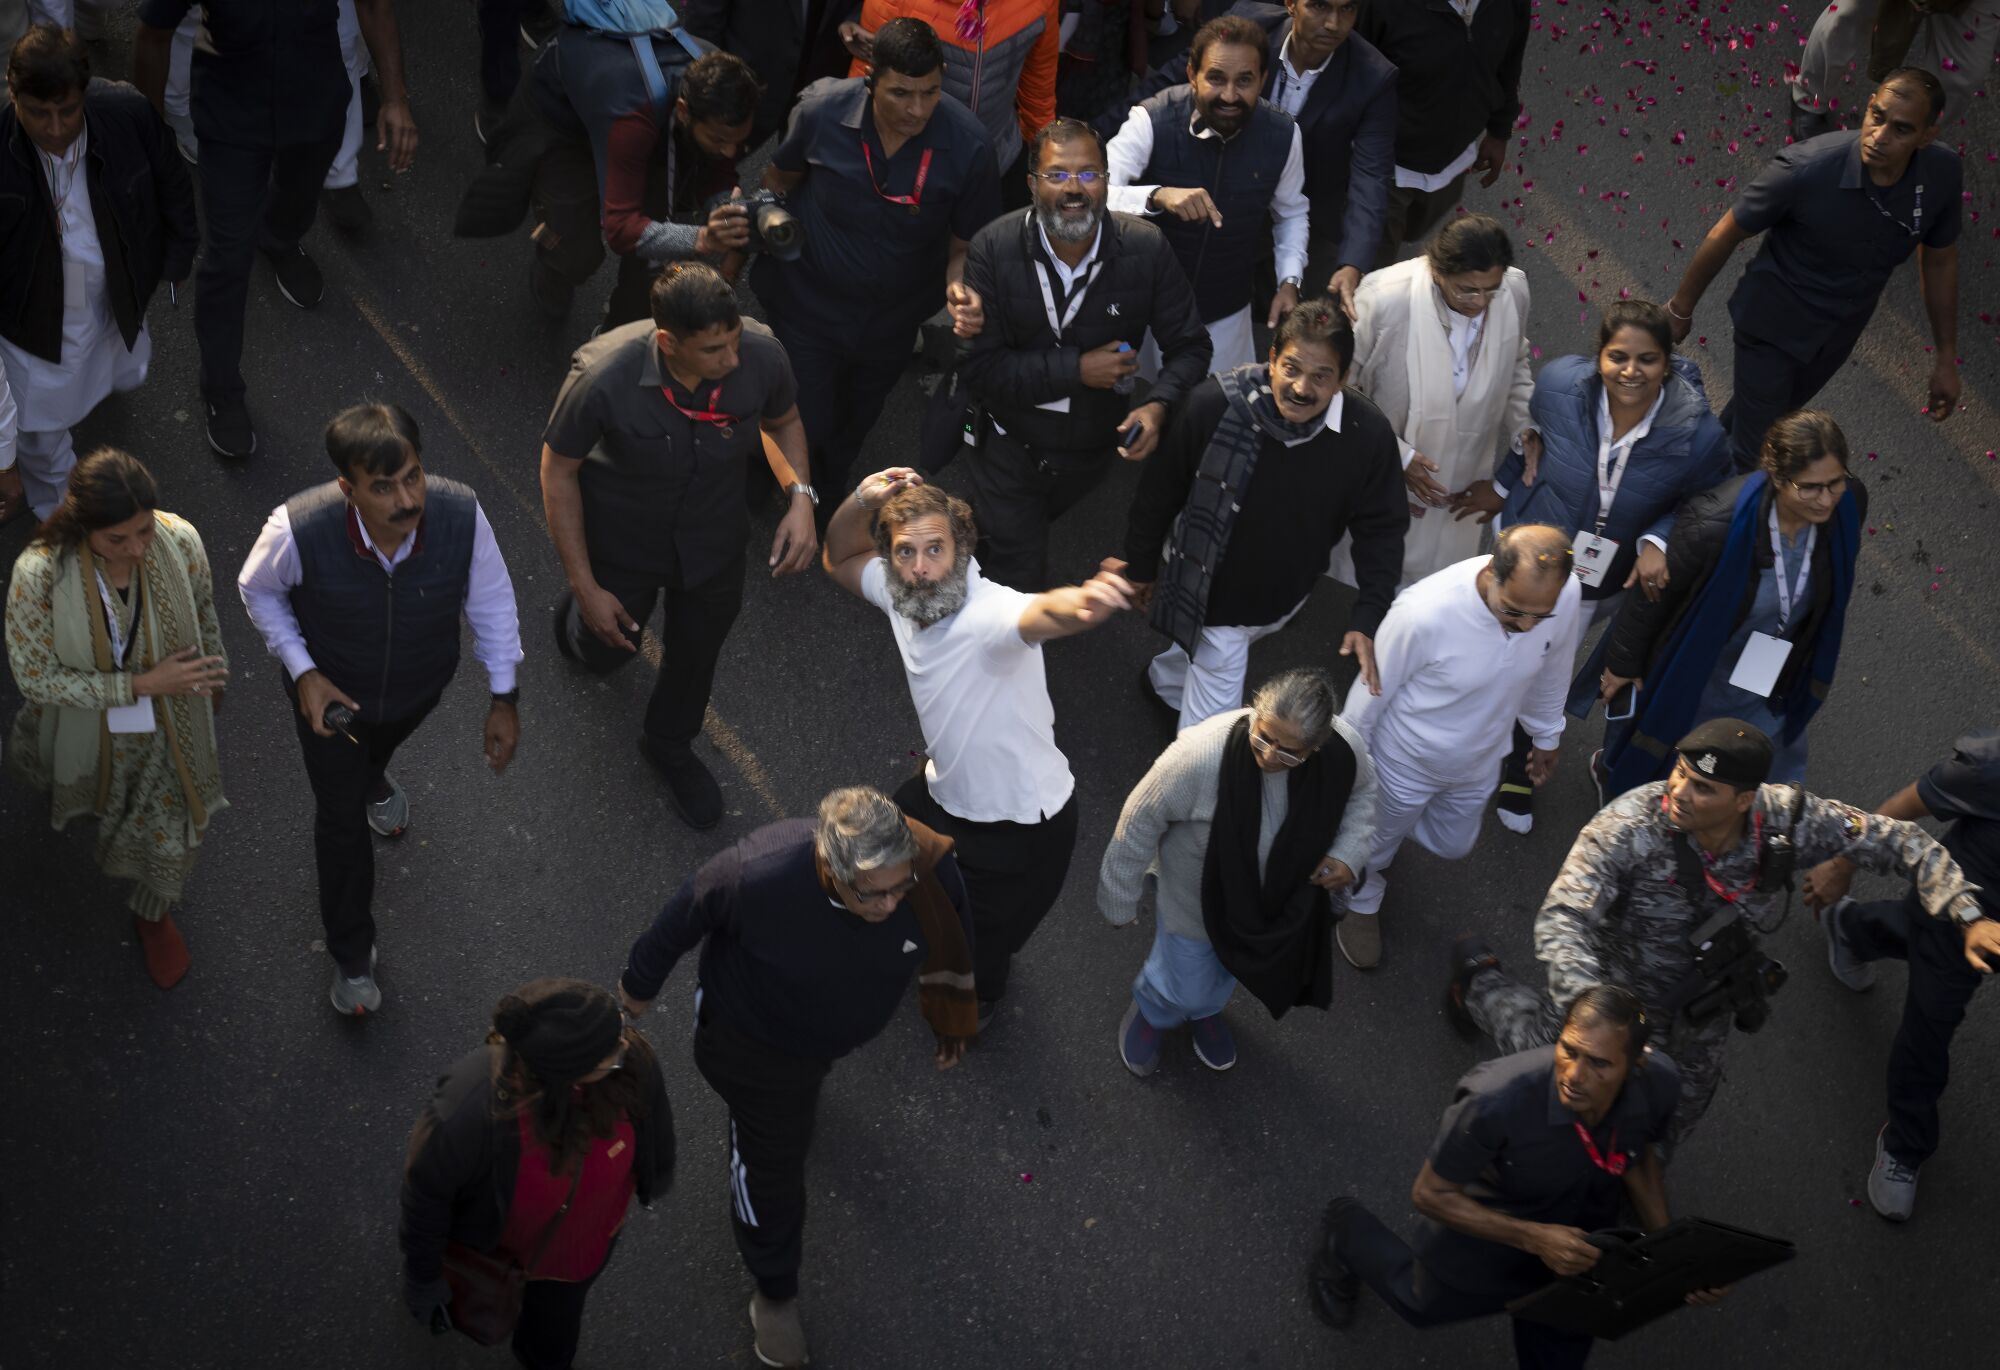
(1441,346)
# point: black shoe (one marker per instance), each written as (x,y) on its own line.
(1469,956)
(347,209)
(563,643)
(231,435)
(537,29)
(298,277)
(1330,1286)
(987,1009)
(551,293)
(1809,123)
(689,783)
(486,120)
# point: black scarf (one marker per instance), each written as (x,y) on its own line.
(1274,935)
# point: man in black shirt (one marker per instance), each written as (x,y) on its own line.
(889,178)
(643,483)
(1058,298)
(1536,1152)
(810,934)
(1944,957)
(1260,475)
(270,93)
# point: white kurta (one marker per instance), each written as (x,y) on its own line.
(1403,362)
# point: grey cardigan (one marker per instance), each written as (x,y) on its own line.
(1167,817)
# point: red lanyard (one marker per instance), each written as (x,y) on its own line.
(1614,1166)
(711,414)
(916,196)
(1729,896)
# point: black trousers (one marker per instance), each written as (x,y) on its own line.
(343,775)
(1013,874)
(772,1098)
(1941,984)
(1385,1262)
(251,198)
(1771,383)
(1017,492)
(843,384)
(551,1321)
(567,205)
(694,624)
(1412,214)
(500,45)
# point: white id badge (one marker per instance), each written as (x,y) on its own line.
(1762,662)
(131,718)
(72,284)
(1592,556)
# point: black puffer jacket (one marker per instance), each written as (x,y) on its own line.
(1644,627)
(143,200)
(458,1178)
(1017,362)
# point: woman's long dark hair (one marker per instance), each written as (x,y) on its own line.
(106,488)
(567,1119)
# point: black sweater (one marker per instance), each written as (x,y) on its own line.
(1454,82)
(1299,503)
(784,963)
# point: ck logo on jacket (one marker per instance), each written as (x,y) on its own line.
(1112,309)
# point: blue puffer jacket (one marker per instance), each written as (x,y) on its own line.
(1685,452)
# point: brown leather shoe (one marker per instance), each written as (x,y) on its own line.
(166,950)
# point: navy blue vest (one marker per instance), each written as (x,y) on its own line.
(1240,175)
(390,641)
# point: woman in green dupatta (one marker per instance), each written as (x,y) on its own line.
(113,639)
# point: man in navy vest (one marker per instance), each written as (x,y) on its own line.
(1216,166)
(356,586)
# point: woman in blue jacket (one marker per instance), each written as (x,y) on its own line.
(1620,442)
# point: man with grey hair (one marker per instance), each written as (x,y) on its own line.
(810,931)
(1463,655)
(1251,819)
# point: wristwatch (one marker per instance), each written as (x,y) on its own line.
(801,488)
(512,696)
(1293,281)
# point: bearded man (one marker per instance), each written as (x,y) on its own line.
(993,780)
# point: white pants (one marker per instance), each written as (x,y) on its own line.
(1408,803)
(44,461)
(180,66)
(1212,683)
(1235,345)
(1957,49)
(346,168)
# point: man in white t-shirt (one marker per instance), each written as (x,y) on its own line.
(994,781)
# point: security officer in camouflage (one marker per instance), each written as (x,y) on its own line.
(1668,857)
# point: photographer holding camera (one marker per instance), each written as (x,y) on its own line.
(1670,887)
(356,586)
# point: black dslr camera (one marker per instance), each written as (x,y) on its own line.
(1734,975)
(773,229)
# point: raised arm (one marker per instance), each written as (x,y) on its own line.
(1071,609)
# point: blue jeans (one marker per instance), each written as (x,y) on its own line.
(1182,980)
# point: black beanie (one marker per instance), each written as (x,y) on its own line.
(561,1029)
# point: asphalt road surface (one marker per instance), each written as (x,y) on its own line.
(208,1178)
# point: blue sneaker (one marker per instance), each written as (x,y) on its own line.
(1214,1046)
(1138,1042)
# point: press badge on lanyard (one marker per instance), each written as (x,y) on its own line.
(1592,553)
(136,717)
(1764,657)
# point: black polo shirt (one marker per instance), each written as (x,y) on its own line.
(663,492)
(1966,790)
(873,269)
(1832,237)
(267,73)
(1510,1141)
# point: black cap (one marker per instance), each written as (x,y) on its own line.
(561,1029)
(1730,751)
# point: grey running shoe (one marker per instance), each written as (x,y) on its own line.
(356,995)
(779,1335)
(1849,969)
(1892,1186)
(389,816)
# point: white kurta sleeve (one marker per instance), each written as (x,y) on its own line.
(1126,158)
(1290,209)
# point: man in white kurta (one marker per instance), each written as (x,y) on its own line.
(1462,655)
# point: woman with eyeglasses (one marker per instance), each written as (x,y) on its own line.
(1236,838)
(1748,624)
(1621,440)
(1441,347)
(529,1155)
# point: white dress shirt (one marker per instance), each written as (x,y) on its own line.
(1132,149)
(272,569)
(1070,275)
(1289,85)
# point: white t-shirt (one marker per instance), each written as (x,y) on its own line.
(983,701)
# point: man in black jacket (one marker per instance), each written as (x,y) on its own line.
(1288,462)
(113,216)
(1458,65)
(1061,295)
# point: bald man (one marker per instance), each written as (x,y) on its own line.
(1463,655)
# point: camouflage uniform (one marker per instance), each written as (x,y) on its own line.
(1616,914)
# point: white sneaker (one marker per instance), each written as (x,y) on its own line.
(1892,1186)
(356,995)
